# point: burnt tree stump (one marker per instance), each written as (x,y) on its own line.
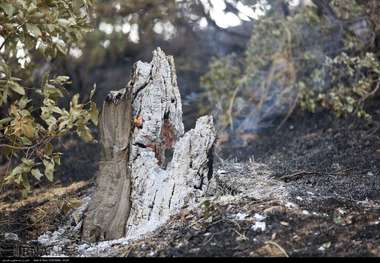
(149,167)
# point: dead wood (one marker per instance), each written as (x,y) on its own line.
(150,168)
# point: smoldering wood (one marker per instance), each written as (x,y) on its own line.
(150,167)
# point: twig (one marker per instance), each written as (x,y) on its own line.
(296,174)
(127,252)
(244,237)
(278,246)
(7,38)
(45,140)
(232,221)
(231,105)
(209,239)
(374,130)
(340,171)
(290,112)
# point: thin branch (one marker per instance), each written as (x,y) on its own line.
(7,38)
(43,141)
(279,247)
(15,147)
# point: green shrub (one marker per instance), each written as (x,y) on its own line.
(33,33)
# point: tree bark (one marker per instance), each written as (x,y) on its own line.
(150,168)
(110,204)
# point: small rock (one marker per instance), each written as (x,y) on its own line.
(336,166)
(57,249)
(82,248)
(296,237)
(269,250)
(11,236)
(291,205)
(324,246)
(341,211)
(194,250)
(274,210)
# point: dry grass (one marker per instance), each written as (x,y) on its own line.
(41,196)
(42,211)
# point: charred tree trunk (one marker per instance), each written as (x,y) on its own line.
(150,168)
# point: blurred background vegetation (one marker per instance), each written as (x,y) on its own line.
(250,63)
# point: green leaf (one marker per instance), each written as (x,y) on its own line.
(37,174)
(28,129)
(49,169)
(75,100)
(25,141)
(61,49)
(5,120)
(16,87)
(25,183)
(9,9)
(85,133)
(62,79)
(50,27)
(48,149)
(33,30)
(57,158)
(94,113)
(52,92)
(28,163)
(17,170)
(63,22)
(23,102)
(18,178)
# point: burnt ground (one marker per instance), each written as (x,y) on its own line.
(335,157)
(330,168)
(218,230)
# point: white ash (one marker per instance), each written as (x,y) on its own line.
(59,240)
(259,217)
(11,236)
(249,179)
(259,226)
(240,216)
